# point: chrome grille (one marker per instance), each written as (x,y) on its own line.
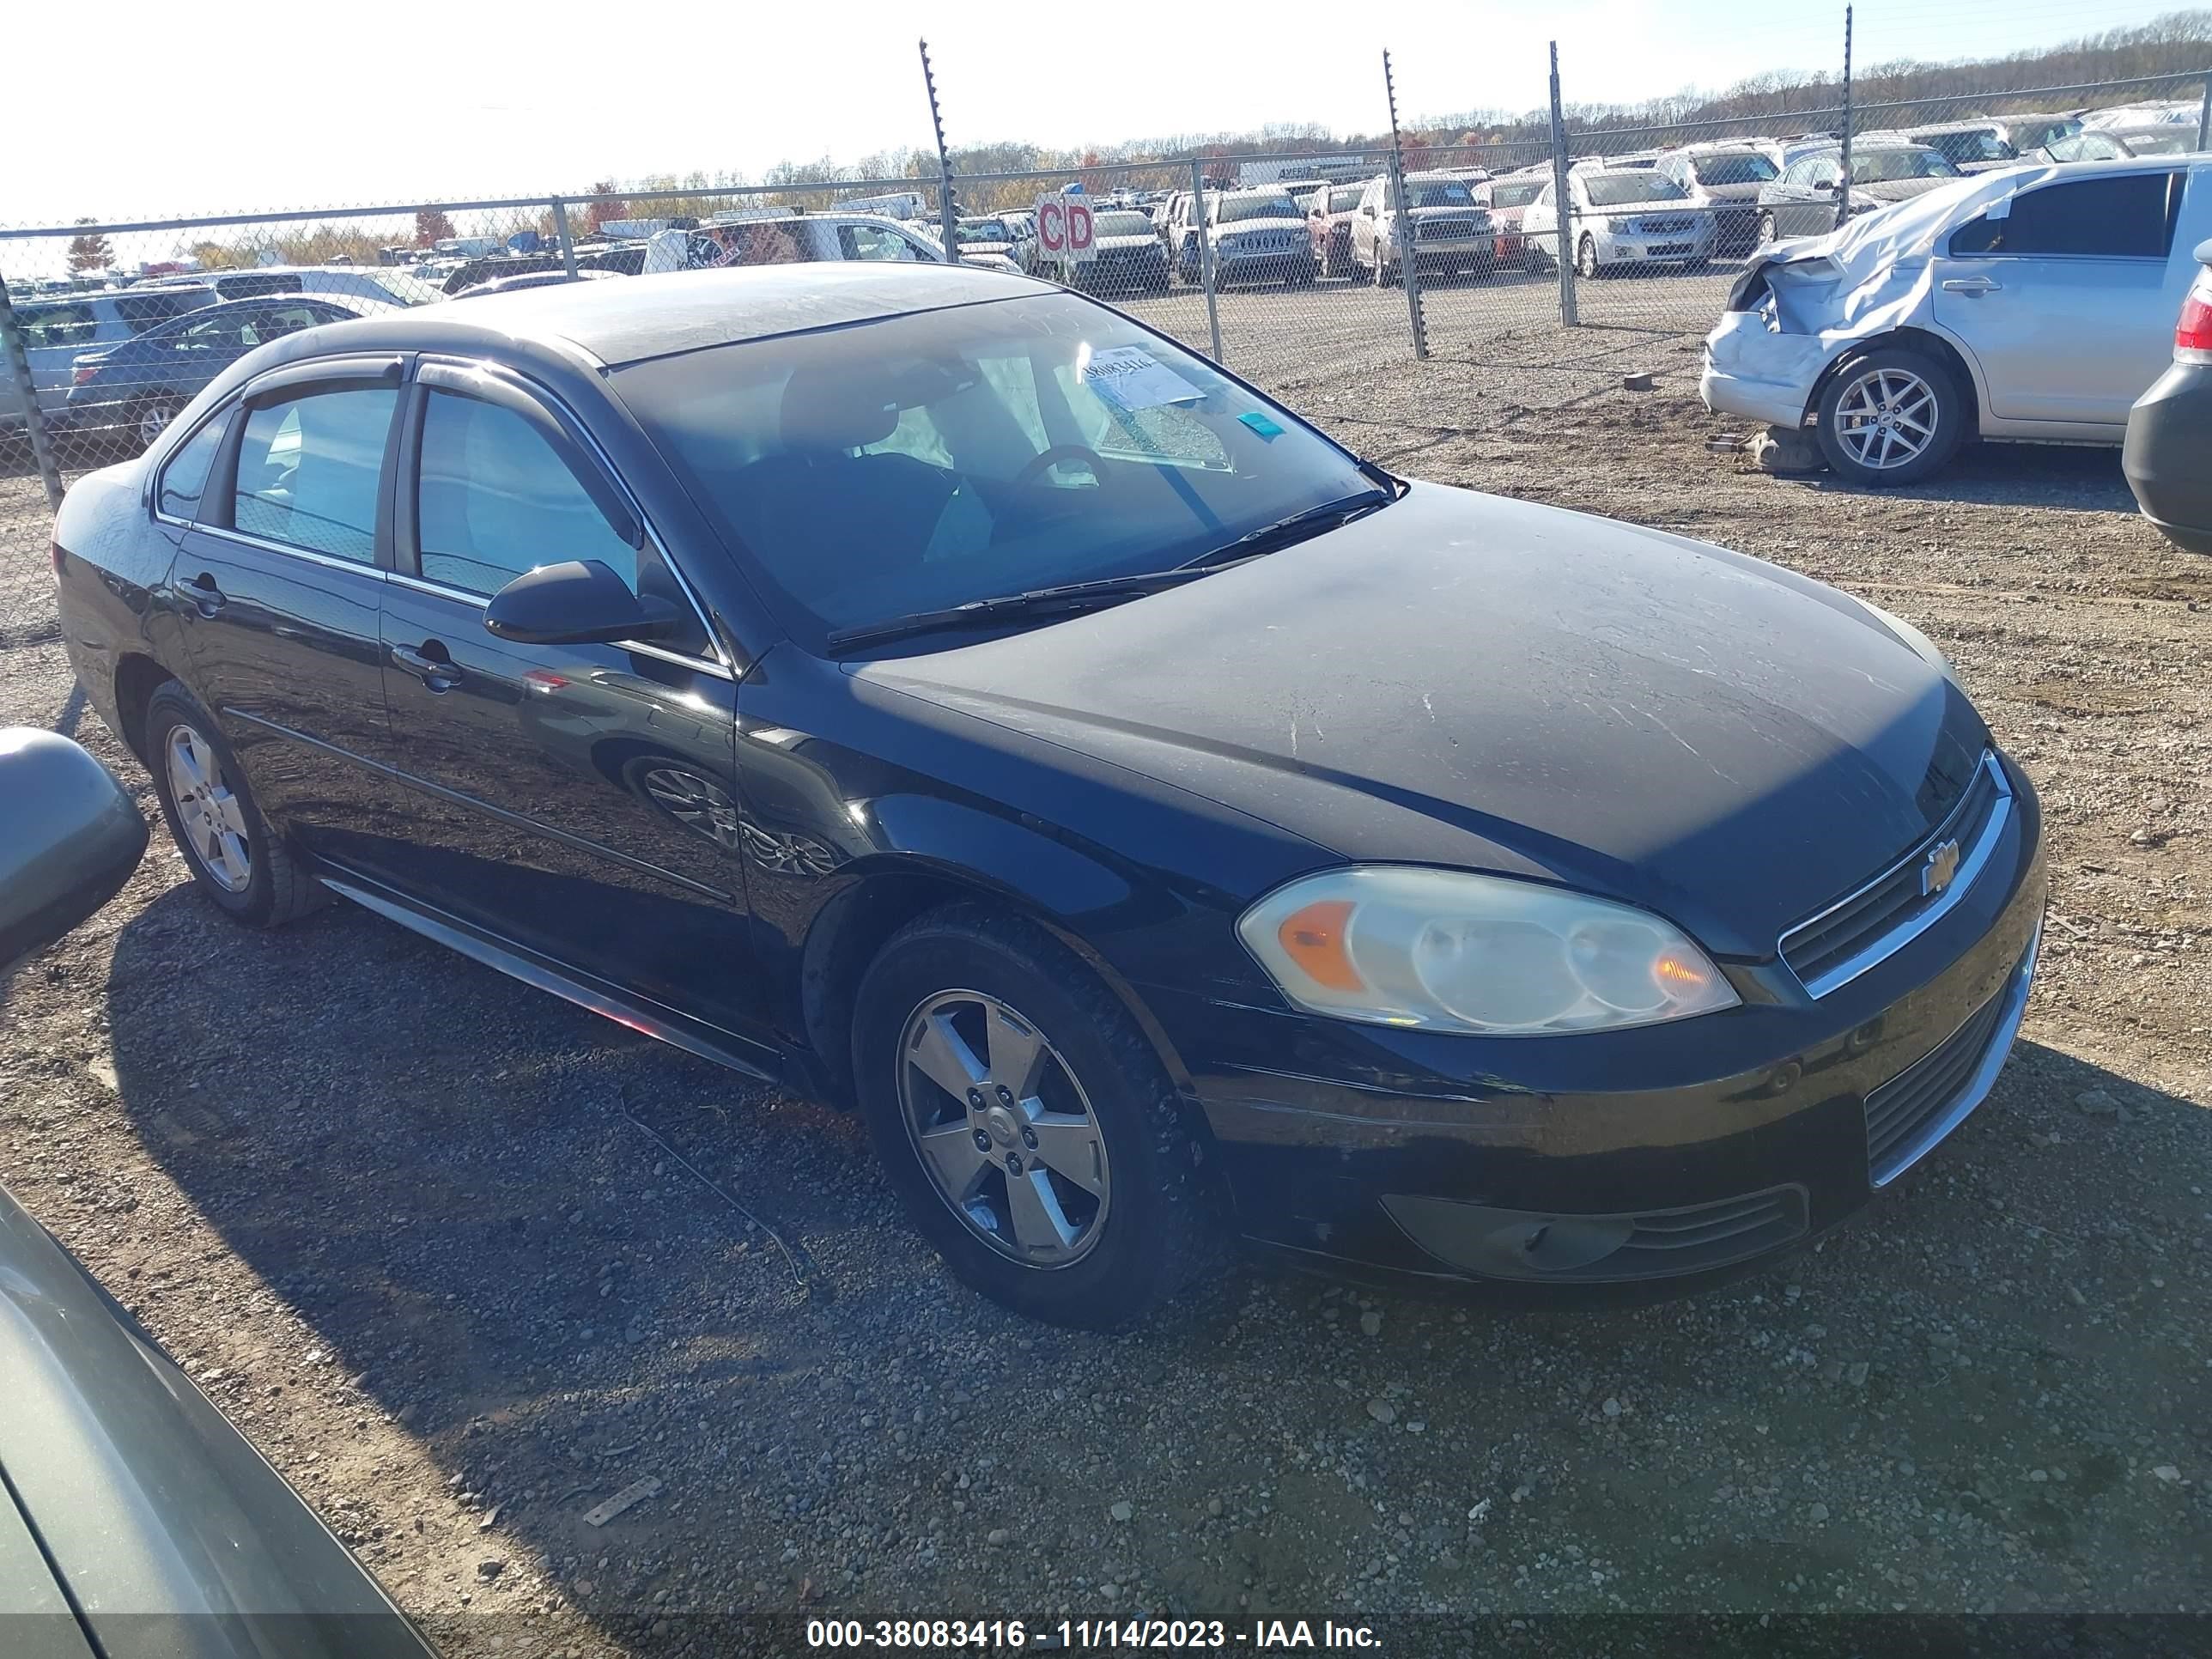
(1663,227)
(1890,911)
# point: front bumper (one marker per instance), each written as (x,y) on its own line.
(2164,455)
(1621,1165)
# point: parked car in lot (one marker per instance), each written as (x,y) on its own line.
(1129,258)
(940,695)
(1330,211)
(2090,144)
(1508,200)
(2159,139)
(1634,218)
(986,235)
(516,284)
(1804,201)
(1451,232)
(1256,236)
(134,389)
(2036,303)
(1730,176)
(2169,436)
(1983,141)
(56,333)
(361,285)
(134,1519)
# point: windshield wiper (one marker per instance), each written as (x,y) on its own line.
(1298,527)
(1035,602)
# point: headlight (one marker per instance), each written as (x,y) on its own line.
(1452,950)
(1913,637)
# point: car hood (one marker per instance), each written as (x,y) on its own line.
(1126,244)
(1722,194)
(1246,227)
(1463,680)
(1638,210)
(1900,190)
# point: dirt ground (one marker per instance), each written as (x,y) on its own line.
(464,1262)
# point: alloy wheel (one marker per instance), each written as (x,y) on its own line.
(153,421)
(1766,235)
(1886,418)
(1003,1130)
(208,811)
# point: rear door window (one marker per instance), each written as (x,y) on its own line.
(310,469)
(154,308)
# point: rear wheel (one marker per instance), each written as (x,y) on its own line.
(151,418)
(1026,1122)
(238,861)
(1891,416)
(1765,236)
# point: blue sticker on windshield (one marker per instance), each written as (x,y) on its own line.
(1260,424)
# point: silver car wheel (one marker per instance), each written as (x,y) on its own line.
(1887,417)
(153,421)
(208,811)
(1003,1127)
(697,803)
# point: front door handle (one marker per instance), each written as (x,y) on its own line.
(205,595)
(429,664)
(1972,286)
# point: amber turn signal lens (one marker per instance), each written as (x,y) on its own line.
(1313,938)
(1673,970)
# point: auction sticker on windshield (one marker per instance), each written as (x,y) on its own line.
(1131,377)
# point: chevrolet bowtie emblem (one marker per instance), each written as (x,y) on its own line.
(1941,865)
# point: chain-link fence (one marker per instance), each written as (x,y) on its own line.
(1294,270)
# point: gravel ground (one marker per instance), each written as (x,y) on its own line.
(466,1261)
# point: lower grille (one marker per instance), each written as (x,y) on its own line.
(1664,227)
(1525,1245)
(1662,250)
(1906,1116)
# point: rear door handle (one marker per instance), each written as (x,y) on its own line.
(205,595)
(1972,285)
(429,664)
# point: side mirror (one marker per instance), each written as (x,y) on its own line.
(580,602)
(69,838)
(1828,185)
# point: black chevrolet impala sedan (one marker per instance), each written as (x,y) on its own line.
(937,694)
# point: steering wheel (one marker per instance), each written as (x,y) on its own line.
(1058,452)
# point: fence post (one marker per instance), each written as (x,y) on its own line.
(1844,183)
(1403,229)
(2204,115)
(1204,252)
(1564,218)
(561,232)
(18,369)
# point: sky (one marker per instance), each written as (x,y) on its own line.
(343,105)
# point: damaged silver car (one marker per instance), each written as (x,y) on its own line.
(2035,304)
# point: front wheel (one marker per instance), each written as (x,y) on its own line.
(1891,416)
(1586,257)
(1026,1121)
(1765,236)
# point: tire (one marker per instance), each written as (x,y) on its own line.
(272,888)
(1872,404)
(1586,258)
(149,419)
(1765,236)
(1098,1260)
(1381,271)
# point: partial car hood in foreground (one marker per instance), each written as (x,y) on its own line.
(1464,680)
(171,1536)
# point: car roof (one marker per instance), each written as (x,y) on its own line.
(643,317)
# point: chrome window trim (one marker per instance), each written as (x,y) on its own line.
(360,567)
(719,662)
(1971,862)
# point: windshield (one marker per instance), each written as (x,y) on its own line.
(2158,141)
(1439,192)
(1618,189)
(2035,135)
(1749,168)
(1229,208)
(983,230)
(1875,166)
(928,460)
(1975,144)
(1515,192)
(1120,224)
